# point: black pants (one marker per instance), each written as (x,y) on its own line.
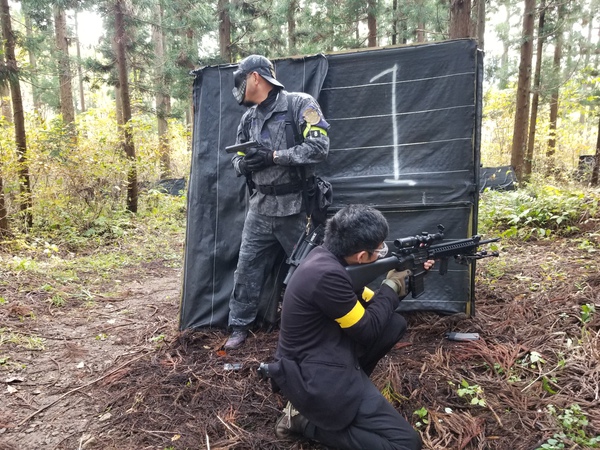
(377,424)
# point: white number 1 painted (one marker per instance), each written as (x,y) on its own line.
(393,71)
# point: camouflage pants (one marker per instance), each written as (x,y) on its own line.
(262,239)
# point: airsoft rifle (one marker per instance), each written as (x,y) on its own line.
(411,253)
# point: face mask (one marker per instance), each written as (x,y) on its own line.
(240,80)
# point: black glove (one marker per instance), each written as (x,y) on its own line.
(243,167)
(259,159)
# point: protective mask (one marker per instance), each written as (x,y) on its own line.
(240,81)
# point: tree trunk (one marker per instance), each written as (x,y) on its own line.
(460,19)
(555,90)
(79,69)
(536,94)
(394,22)
(480,24)
(3,213)
(595,170)
(224,30)
(191,43)
(504,62)
(291,22)
(372,23)
(163,99)
(8,118)
(5,103)
(64,69)
(128,145)
(18,113)
(37,104)
(118,97)
(5,107)
(523,89)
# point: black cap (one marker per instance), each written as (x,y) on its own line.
(260,65)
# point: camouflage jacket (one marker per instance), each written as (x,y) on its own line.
(268,128)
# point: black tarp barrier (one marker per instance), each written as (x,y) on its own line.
(405,126)
(501,178)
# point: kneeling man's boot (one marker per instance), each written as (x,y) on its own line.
(291,425)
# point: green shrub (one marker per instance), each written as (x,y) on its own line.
(536,211)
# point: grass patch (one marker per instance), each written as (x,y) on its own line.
(63,264)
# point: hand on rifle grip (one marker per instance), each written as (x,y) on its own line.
(399,281)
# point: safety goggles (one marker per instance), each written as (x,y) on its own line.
(381,252)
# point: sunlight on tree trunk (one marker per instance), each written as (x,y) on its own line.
(128,145)
(18,113)
(519,142)
(536,94)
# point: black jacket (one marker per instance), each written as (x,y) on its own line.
(322,322)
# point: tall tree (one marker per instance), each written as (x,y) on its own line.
(64,67)
(18,113)
(224,30)
(421,24)
(162,97)
(460,19)
(536,93)
(3,213)
(79,68)
(37,104)
(128,144)
(519,142)
(596,168)
(6,112)
(558,44)
(480,23)
(503,32)
(372,23)
(5,108)
(291,23)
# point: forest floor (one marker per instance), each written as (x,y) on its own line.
(108,369)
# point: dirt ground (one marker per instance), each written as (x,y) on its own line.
(116,373)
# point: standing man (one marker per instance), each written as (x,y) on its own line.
(330,341)
(276,217)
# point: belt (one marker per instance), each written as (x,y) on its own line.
(279,189)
